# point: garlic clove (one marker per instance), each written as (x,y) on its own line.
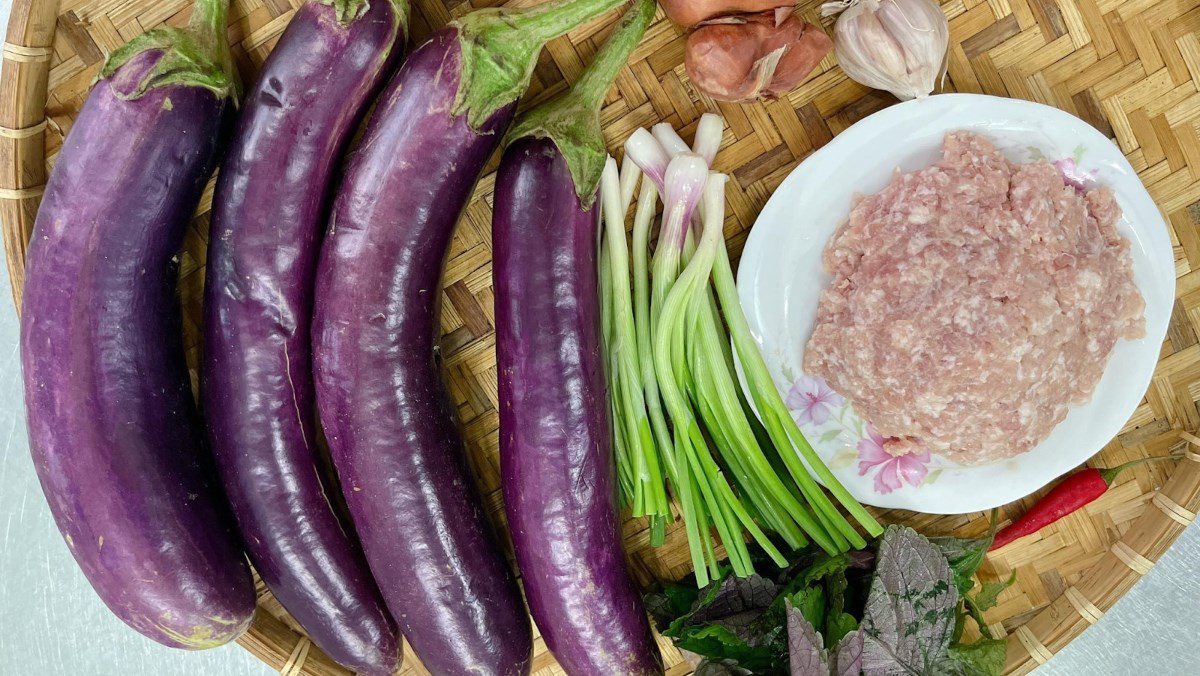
(895,45)
(869,48)
(922,32)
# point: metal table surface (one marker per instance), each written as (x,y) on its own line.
(52,624)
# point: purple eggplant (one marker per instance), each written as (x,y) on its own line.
(388,420)
(556,452)
(113,428)
(268,212)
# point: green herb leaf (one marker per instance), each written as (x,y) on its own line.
(838,622)
(974,613)
(910,615)
(810,602)
(716,641)
(981,658)
(672,602)
(723,621)
(812,569)
(960,625)
(720,668)
(985,599)
(989,592)
(838,626)
(965,556)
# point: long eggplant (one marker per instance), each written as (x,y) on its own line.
(268,214)
(386,415)
(556,452)
(113,428)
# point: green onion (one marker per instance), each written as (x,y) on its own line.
(738,465)
(691,446)
(649,493)
(772,407)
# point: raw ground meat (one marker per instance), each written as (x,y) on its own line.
(972,302)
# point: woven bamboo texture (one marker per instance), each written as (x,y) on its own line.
(1131,68)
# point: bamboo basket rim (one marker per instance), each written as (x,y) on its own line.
(27,55)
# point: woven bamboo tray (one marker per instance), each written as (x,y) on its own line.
(1129,67)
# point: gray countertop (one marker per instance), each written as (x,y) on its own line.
(51,623)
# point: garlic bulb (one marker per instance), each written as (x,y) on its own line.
(896,45)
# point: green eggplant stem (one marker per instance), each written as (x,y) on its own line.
(500,48)
(197,56)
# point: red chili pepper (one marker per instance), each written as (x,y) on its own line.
(1068,496)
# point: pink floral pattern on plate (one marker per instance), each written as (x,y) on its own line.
(1073,175)
(826,416)
(909,466)
(812,402)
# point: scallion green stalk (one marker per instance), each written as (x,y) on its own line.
(670,365)
(775,414)
(736,462)
(649,494)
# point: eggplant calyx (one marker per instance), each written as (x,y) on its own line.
(196,56)
(348,11)
(575,130)
(572,121)
(500,49)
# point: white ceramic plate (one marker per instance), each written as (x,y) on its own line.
(780,280)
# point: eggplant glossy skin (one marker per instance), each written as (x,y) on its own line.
(268,213)
(556,456)
(113,427)
(389,422)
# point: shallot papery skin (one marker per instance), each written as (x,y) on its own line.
(755,56)
(899,46)
(688,13)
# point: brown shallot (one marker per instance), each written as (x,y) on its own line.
(764,55)
(688,13)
